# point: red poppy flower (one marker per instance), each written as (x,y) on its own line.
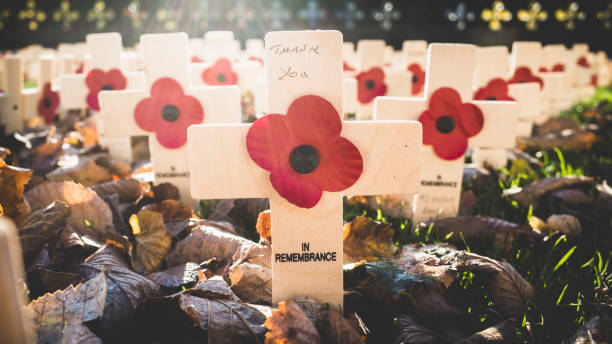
(258,59)
(220,73)
(168,113)
(523,75)
(304,151)
(370,85)
(48,103)
(196,59)
(418,78)
(449,122)
(543,70)
(594,80)
(98,80)
(347,67)
(559,67)
(496,89)
(582,61)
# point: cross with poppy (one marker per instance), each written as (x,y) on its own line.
(304,158)
(12,114)
(451,121)
(167,106)
(43,101)
(554,59)
(414,57)
(103,72)
(582,71)
(15,326)
(374,80)
(491,86)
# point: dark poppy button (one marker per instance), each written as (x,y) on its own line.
(370,84)
(445,124)
(47,102)
(170,113)
(304,159)
(107,88)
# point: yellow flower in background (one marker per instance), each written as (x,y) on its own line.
(496,15)
(532,15)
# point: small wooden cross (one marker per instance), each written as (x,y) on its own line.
(306,230)
(582,71)
(167,106)
(13,324)
(491,73)
(102,72)
(450,75)
(12,114)
(44,100)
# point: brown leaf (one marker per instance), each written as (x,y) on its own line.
(128,190)
(467,203)
(567,140)
(51,312)
(12,183)
(252,283)
(368,240)
(43,281)
(172,210)
(177,276)
(117,168)
(41,226)
(242,213)
(88,131)
(77,333)
(506,286)
(531,193)
(87,207)
(288,324)
(409,331)
(165,191)
(87,172)
(593,332)
(554,124)
(152,241)
(504,332)
(392,205)
(126,289)
(4,153)
(264,226)
(428,260)
(254,254)
(205,242)
(334,329)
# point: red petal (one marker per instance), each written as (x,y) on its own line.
(295,188)
(445,101)
(451,146)
(430,132)
(346,67)
(165,90)
(377,75)
(224,66)
(172,135)
(147,114)
(95,80)
(559,67)
(471,119)
(190,110)
(115,78)
(313,120)
(340,165)
(582,61)
(269,142)
(543,70)
(92,101)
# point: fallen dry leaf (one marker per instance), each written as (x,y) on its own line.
(252,283)
(41,226)
(334,329)
(203,243)
(87,172)
(172,210)
(12,183)
(117,168)
(531,193)
(242,213)
(88,131)
(504,332)
(554,124)
(364,239)
(52,312)
(90,214)
(428,260)
(128,190)
(264,226)
(567,140)
(152,241)
(253,253)
(78,333)
(288,324)
(184,275)
(593,332)
(126,289)
(392,205)
(409,331)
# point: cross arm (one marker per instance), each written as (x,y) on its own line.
(398,108)
(73,92)
(499,128)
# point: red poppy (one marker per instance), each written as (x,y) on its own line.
(168,113)
(196,59)
(48,103)
(594,80)
(418,78)
(582,61)
(304,151)
(370,85)
(496,89)
(98,80)
(258,59)
(543,70)
(347,67)
(220,73)
(449,122)
(559,67)
(523,75)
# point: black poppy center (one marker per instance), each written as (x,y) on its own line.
(221,77)
(304,159)
(445,124)
(370,84)
(491,98)
(107,88)
(170,113)
(47,102)
(415,79)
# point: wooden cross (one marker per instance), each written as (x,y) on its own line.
(414,52)
(218,44)
(491,64)
(392,82)
(165,115)
(12,113)
(582,74)
(448,66)
(13,324)
(105,55)
(390,152)
(34,96)
(602,68)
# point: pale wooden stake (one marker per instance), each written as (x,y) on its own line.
(12,113)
